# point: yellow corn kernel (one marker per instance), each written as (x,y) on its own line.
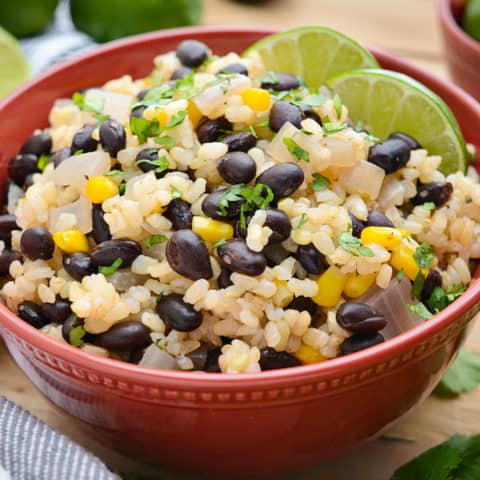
(100,188)
(405,232)
(147,82)
(211,230)
(330,287)
(256,98)
(402,259)
(357,285)
(386,237)
(71,241)
(307,354)
(194,113)
(283,295)
(161,117)
(158,208)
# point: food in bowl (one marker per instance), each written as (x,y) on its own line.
(220,216)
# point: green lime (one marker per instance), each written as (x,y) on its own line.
(27,17)
(313,53)
(106,20)
(471,19)
(387,101)
(13,64)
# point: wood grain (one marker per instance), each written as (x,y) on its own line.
(408,28)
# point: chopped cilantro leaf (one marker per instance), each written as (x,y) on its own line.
(419,310)
(160,163)
(94,105)
(439,299)
(359,126)
(143,128)
(423,255)
(121,188)
(313,100)
(251,128)
(221,242)
(78,152)
(113,173)
(176,120)
(75,336)
(162,343)
(463,375)
(258,197)
(271,78)
(159,297)
(42,162)
(334,127)
(337,105)
(418,285)
(303,220)
(320,182)
(176,193)
(429,206)
(400,276)
(306,132)
(354,245)
(107,271)
(154,239)
(166,141)
(296,150)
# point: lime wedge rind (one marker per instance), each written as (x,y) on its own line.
(315,53)
(388,101)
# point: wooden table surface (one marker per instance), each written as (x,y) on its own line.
(408,28)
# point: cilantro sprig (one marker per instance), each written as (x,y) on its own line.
(419,310)
(110,270)
(354,245)
(42,162)
(94,106)
(155,239)
(333,127)
(320,183)
(161,163)
(76,336)
(296,150)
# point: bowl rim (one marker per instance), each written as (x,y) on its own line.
(13,325)
(453,28)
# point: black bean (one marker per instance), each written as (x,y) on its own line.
(237,257)
(360,341)
(38,144)
(56,312)
(390,155)
(6,259)
(309,112)
(60,155)
(37,243)
(210,206)
(270,359)
(410,141)
(112,137)
(22,165)
(209,130)
(275,254)
(30,312)
(240,141)
(311,259)
(280,225)
(83,140)
(105,253)
(125,337)
(79,265)
(179,213)
(181,72)
(360,317)
(357,225)
(188,255)
(378,219)
(7,224)
(199,357)
(436,192)
(224,279)
(150,155)
(281,82)
(284,111)
(434,279)
(239,68)
(237,167)
(137,112)
(303,304)
(192,53)
(283,179)
(211,365)
(178,314)
(100,228)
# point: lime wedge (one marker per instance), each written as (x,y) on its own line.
(313,53)
(387,102)
(13,64)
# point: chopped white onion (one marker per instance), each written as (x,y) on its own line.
(77,169)
(115,105)
(364,178)
(156,358)
(81,208)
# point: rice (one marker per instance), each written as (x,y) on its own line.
(290,303)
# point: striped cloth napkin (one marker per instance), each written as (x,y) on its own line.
(30,450)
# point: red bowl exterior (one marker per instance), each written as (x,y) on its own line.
(214,424)
(462,51)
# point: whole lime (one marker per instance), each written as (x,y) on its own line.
(471,19)
(26,17)
(13,64)
(106,20)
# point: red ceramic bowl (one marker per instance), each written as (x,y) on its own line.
(248,424)
(463,51)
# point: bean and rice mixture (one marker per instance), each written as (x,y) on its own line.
(216,216)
